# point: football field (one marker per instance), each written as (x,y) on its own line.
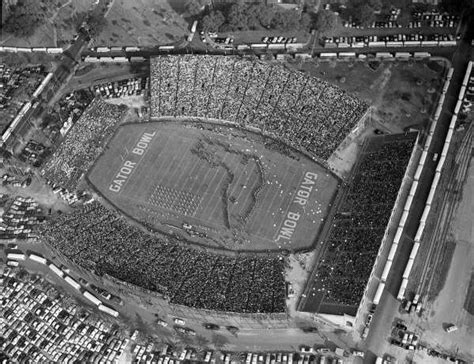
(215,185)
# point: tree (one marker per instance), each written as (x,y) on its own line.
(326,21)
(24,18)
(237,17)
(96,24)
(305,21)
(285,20)
(212,21)
(455,7)
(404,18)
(194,7)
(366,15)
(375,4)
(264,15)
(362,12)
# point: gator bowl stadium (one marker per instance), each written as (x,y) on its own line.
(198,206)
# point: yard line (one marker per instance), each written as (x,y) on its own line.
(169,167)
(212,190)
(247,177)
(282,201)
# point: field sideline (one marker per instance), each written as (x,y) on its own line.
(216,186)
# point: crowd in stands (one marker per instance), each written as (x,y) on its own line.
(306,112)
(359,225)
(83,144)
(102,241)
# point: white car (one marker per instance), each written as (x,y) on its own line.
(358,353)
(161,323)
(179,321)
(451,328)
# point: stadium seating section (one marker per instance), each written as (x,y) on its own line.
(101,241)
(83,144)
(306,112)
(359,225)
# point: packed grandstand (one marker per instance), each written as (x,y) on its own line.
(359,225)
(83,144)
(307,113)
(103,242)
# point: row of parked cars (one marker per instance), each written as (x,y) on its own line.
(433,19)
(365,40)
(279,40)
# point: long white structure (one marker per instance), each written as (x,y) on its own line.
(16,256)
(378,293)
(38,259)
(56,270)
(73,283)
(92,298)
(108,310)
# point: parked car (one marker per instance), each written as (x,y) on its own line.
(179,321)
(306,349)
(161,323)
(209,326)
(358,353)
(451,328)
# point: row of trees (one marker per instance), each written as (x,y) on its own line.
(251,16)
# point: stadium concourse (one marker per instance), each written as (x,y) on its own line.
(291,113)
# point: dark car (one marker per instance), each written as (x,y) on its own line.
(209,326)
(396,342)
(232,329)
(309,329)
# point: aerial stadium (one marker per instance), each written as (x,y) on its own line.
(200,203)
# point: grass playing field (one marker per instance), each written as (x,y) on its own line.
(215,185)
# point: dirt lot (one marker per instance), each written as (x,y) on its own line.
(143,23)
(400,93)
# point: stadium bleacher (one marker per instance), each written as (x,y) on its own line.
(103,242)
(359,224)
(306,112)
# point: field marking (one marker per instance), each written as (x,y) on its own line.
(142,182)
(164,172)
(213,186)
(247,179)
(286,196)
(202,188)
(278,207)
(216,171)
(136,165)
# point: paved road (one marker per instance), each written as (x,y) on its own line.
(388,307)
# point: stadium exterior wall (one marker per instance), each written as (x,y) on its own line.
(390,230)
(156,302)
